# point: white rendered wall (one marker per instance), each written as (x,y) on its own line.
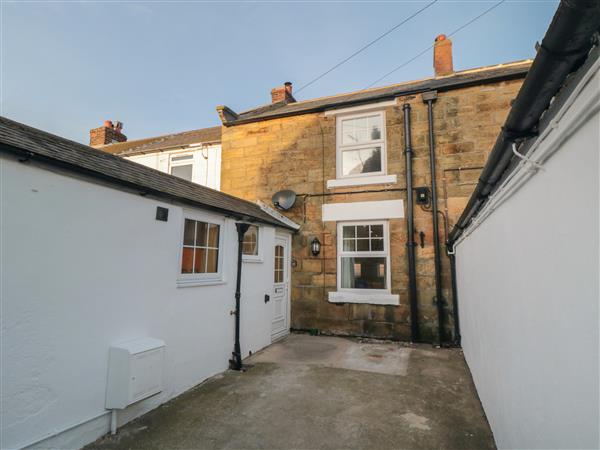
(207,163)
(85,266)
(528,301)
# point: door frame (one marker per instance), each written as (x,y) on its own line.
(287,237)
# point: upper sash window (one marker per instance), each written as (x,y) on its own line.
(361,145)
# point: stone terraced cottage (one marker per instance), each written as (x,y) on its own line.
(344,157)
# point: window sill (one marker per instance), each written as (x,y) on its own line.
(360,181)
(182,283)
(371,298)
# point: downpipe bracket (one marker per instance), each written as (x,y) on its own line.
(534,166)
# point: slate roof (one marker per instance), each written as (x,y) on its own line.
(41,146)
(158,143)
(465,78)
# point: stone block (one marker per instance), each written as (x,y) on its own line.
(312,265)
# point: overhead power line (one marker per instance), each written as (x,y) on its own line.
(421,53)
(360,50)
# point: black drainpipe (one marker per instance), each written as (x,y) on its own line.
(410,229)
(235,363)
(429,98)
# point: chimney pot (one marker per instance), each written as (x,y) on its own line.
(108,124)
(442,56)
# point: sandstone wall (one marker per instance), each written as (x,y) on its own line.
(299,153)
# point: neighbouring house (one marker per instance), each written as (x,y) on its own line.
(102,253)
(345,157)
(192,155)
(526,250)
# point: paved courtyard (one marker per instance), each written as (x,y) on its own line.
(309,392)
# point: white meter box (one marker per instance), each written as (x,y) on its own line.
(135,371)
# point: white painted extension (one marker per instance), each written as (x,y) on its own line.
(86,266)
(528,291)
(202,163)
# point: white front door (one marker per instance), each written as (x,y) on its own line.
(281,287)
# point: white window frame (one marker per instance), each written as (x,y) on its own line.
(186,162)
(380,142)
(385,253)
(259,256)
(202,279)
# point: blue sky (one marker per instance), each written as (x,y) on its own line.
(162,67)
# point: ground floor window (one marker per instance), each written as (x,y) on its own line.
(200,247)
(250,244)
(279,270)
(201,252)
(363,256)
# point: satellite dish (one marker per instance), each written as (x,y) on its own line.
(284,199)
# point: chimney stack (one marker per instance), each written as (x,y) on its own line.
(282,93)
(442,56)
(108,133)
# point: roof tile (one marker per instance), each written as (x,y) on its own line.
(158,143)
(460,79)
(19,138)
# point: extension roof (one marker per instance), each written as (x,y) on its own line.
(154,144)
(461,79)
(36,145)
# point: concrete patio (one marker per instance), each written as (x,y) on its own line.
(308,392)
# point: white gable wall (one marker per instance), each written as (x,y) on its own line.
(85,266)
(528,295)
(207,163)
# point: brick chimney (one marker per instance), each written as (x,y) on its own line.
(282,93)
(442,56)
(108,133)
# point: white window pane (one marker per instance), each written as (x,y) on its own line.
(250,246)
(349,231)
(184,171)
(361,130)
(376,245)
(187,260)
(355,162)
(376,231)
(201,233)
(200,260)
(374,128)
(363,273)
(362,245)
(189,232)
(349,245)
(362,231)
(212,261)
(348,137)
(213,235)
